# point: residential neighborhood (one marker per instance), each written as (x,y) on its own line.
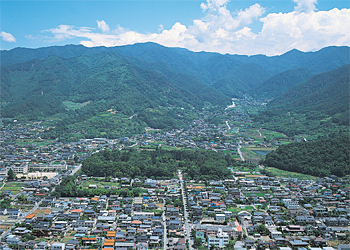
(248,210)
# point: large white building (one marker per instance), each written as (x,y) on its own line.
(50,167)
(19,168)
(291,203)
(220,240)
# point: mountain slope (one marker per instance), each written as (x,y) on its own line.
(207,67)
(280,83)
(241,79)
(41,88)
(319,105)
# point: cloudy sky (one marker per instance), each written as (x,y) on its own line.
(224,26)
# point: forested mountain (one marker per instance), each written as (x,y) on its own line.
(38,89)
(319,158)
(161,86)
(318,102)
(323,94)
(241,79)
(225,72)
(280,83)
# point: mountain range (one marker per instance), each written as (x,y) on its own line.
(157,83)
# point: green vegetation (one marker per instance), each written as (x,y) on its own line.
(321,157)
(241,79)
(158,164)
(280,83)
(89,96)
(14,187)
(11,175)
(287,174)
(319,105)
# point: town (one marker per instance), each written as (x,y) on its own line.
(252,208)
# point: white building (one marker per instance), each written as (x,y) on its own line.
(291,203)
(19,168)
(58,246)
(51,167)
(220,240)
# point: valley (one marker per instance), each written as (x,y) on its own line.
(120,146)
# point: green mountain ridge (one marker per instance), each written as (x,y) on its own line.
(209,68)
(37,88)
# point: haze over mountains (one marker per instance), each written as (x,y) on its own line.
(136,79)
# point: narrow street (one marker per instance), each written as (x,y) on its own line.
(187,226)
(165,240)
(240,152)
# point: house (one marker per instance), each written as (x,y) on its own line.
(3,211)
(174,224)
(73,245)
(58,246)
(275,234)
(220,217)
(305,219)
(14,213)
(7,192)
(124,245)
(42,246)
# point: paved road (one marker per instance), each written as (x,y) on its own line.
(165,240)
(239,152)
(228,126)
(75,169)
(187,226)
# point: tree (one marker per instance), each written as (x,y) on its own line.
(197,242)
(22,198)
(11,174)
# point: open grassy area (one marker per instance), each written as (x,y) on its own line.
(72,105)
(14,187)
(238,209)
(22,142)
(257,194)
(249,155)
(287,174)
(25,208)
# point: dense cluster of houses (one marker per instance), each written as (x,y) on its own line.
(283,212)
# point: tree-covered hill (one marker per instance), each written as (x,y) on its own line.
(38,89)
(321,157)
(280,83)
(319,104)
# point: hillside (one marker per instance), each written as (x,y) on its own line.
(241,79)
(322,157)
(280,83)
(41,88)
(320,103)
(221,71)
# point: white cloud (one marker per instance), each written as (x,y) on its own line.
(305,5)
(7,37)
(102,26)
(222,31)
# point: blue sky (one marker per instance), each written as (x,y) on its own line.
(235,27)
